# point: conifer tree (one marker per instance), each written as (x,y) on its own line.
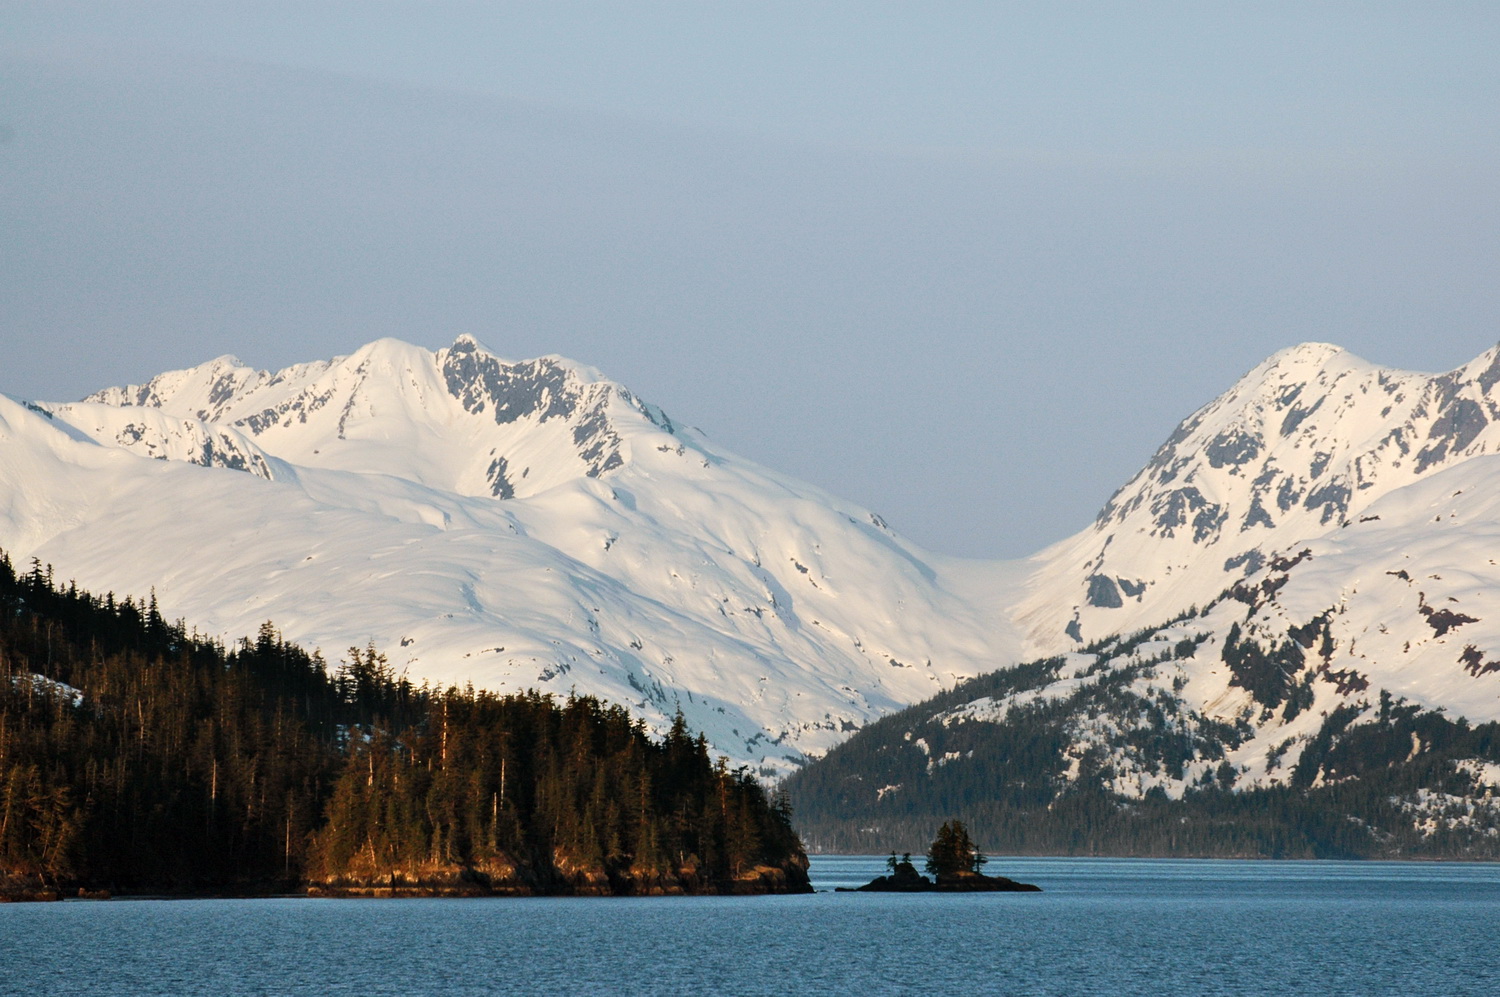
(952,852)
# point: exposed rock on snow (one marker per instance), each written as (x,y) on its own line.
(533,525)
(518,525)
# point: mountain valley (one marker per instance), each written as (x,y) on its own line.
(1316,546)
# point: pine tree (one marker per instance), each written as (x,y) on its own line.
(952,852)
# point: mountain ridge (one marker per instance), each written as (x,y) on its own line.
(1301,443)
(626,557)
(523,524)
(1281,637)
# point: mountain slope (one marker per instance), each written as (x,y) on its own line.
(533,525)
(1322,544)
(1301,445)
(1175,741)
(515,525)
(1329,495)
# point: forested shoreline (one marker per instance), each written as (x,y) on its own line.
(137,756)
(1401,784)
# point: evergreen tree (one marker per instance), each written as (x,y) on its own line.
(952,852)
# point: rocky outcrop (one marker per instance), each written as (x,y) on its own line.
(905,879)
(978,882)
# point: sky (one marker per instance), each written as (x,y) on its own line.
(967,264)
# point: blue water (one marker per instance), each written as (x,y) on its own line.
(1102,926)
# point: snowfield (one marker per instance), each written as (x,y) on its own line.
(531,524)
(514,525)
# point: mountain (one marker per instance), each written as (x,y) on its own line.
(1310,545)
(516,525)
(1300,446)
(1297,595)
(1178,740)
(1325,495)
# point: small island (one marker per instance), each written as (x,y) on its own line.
(954,863)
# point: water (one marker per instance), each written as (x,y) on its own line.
(1103,926)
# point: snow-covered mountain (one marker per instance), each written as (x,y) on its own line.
(515,525)
(1300,446)
(534,525)
(1298,449)
(460,421)
(1351,509)
(1311,560)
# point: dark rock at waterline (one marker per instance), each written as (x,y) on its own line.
(906,879)
(903,879)
(977,882)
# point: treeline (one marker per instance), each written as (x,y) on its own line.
(1401,783)
(136,756)
(1278,822)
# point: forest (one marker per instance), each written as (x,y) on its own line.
(1400,783)
(138,757)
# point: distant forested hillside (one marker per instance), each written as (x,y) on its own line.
(1034,758)
(137,756)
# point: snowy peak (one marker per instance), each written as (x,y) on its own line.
(1253,450)
(540,390)
(460,419)
(200,391)
(1313,431)
(1300,445)
(1304,361)
(1308,563)
(518,524)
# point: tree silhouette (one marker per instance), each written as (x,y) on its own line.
(953,852)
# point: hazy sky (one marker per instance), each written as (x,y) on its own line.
(967,264)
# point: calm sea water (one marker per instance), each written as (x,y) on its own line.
(1102,927)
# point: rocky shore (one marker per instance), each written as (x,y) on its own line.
(502,877)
